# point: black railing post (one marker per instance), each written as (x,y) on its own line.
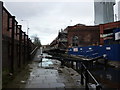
(105,63)
(86,80)
(62,62)
(12,44)
(76,65)
(82,78)
(72,64)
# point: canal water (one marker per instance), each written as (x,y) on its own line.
(109,77)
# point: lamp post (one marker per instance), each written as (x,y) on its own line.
(27,26)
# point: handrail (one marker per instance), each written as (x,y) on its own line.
(93,77)
(84,71)
(33,50)
(87,72)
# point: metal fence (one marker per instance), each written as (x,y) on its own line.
(16,45)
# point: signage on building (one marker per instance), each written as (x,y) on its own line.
(117,35)
(75,49)
(107,36)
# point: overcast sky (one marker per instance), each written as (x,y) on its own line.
(45,19)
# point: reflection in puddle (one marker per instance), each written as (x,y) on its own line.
(45,62)
(108,76)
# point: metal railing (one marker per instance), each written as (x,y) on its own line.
(85,73)
(33,50)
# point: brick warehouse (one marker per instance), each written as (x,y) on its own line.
(16,46)
(77,35)
(81,35)
(106,29)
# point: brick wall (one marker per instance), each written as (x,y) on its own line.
(87,35)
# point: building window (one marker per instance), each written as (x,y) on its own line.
(75,41)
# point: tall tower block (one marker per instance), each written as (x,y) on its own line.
(103,11)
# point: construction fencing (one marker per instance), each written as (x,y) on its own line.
(110,51)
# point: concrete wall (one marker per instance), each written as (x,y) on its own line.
(1,4)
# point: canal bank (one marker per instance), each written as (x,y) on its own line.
(106,74)
(48,74)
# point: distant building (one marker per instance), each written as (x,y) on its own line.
(119,10)
(77,36)
(60,41)
(104,11)
(81,35)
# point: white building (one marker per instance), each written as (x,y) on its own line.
(103,11)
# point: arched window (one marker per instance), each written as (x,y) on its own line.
(75,41)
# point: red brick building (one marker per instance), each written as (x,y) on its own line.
(81,35)
(107,29)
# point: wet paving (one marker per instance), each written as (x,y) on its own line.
(46,74)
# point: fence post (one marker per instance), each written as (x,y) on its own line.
(82,78)
(72,64)
(1,6)
(76,65)
(12,44)
(62,62)
(20,41)
(105,63)
(86,80)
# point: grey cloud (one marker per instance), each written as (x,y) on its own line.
(29,9)
(46,19)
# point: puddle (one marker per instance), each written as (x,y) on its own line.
(45,62)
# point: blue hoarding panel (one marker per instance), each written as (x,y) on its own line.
(116,30)
(112,51)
